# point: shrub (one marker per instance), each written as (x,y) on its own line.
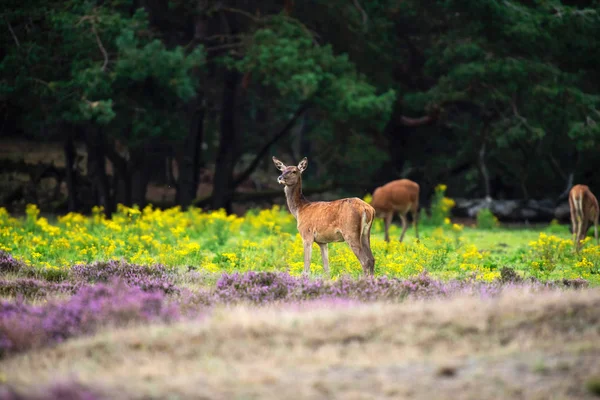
(486,219)
(555,227)
(440,207)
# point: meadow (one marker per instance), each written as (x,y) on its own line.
(153,302)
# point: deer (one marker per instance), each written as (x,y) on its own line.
(399,196)
(584,209)
(345,220)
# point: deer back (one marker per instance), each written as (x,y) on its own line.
(399,195)
(331,221)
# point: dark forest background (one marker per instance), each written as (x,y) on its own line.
(185,101)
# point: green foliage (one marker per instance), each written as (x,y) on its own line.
(285,56)
(555,227)
(486,219)
(440,208)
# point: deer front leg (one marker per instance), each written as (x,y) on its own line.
(307,256)
(325,257)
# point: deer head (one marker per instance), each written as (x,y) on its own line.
(291,175)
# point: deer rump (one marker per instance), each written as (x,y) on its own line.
(334,221)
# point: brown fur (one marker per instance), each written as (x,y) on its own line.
(345,220)
(584,209)
(399,196)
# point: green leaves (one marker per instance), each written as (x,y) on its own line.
(169,70)
(284,55)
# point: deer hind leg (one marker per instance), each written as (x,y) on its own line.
(582,233)
(325,257)
(415,215)
(404,225)
(388,220)
(573,222)
(596,229)
(362,250)
(368,254)
(307,255)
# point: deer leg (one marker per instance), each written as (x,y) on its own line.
(307,255)
(404,225)
(573,222)
(325,257)
(582,228)
(388,220)
(415,215)
(362,251)
(368,254)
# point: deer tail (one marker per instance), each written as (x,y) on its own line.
(366,220)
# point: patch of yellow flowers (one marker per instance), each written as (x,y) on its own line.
(261,240)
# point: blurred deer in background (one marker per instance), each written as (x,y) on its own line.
(346,220)
(584,209)
(399,196)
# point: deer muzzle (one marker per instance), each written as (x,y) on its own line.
(280,180)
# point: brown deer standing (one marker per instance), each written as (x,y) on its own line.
(345,220)
(584,209)
(399,196)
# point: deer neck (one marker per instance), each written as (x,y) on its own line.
(295,198)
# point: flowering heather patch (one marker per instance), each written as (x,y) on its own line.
(8,263)
(148,278)
(25,326)
(29,287)
(268,287)
(57,391)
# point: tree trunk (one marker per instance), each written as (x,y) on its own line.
(226,159)
(70,171)
(121,173)
(140,176)
(97,169)
(188,157)
(485,176)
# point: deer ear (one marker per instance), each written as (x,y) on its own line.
(280,166)
(303,164)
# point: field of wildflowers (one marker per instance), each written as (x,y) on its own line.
(267,240)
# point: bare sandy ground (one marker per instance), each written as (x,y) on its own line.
(518,346)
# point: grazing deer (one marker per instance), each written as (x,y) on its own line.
(399,196)
(584,209)
(345,220)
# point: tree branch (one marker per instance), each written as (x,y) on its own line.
(16,39)
(263,151)
(100,45)
(365,17)
(408,121)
